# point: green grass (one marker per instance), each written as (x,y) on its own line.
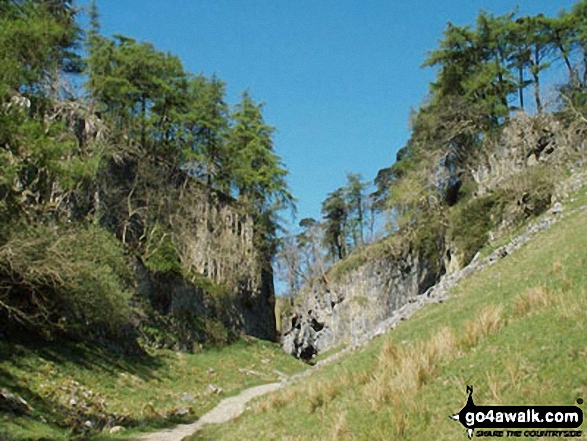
(516,331)
(144,391)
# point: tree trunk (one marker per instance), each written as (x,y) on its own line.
(572,76)
(501,82)
(537,92)
(360,213)
(521,86)
(143,123)
(535,71)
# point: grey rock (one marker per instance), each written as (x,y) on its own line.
(187,397)
(117,429)
(394,289)
(557,208)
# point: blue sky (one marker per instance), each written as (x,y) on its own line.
(338,77)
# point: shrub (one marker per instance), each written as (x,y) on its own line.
(165,258)
(471,222)
(65,277)
(428,238)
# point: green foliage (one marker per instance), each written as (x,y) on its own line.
(141,90)
(470,224)
(428,238)
(257,173)
(164,259)
(206,125)
(216,290)
(38,39)
(216,332)
(335,212)
(65,278)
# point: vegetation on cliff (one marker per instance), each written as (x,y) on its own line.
(111,154)
(515,330)
(479,160)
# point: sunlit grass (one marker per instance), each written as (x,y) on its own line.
(146,392)
(516,331)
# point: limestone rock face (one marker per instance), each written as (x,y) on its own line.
(345,310)
(230,285)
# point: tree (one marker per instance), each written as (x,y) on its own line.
(310,242)
(356,202)
(289,264)
(206,124)
(139,88)
(39,40)
(579,38)
(561,35)
(492,42)
(529,35)
(472,67)
(256,172)
(335,212)
(40,160)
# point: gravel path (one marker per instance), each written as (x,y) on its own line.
(230,408)
(225,411)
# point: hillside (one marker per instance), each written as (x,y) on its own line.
(516,331)
(74,390)
(145,218)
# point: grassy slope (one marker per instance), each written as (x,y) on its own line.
(517,331)
(145,390)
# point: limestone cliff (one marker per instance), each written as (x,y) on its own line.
(346,309)
(353,299)
(224,287)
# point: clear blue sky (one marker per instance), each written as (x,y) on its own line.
(338,77)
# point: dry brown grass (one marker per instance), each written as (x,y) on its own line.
(340,429)
(488,321)
(493,384)
(278,399)
(399,419)
(319,395)
(557,267)
(573,307)
(402,370)
(530,300)
(515,374)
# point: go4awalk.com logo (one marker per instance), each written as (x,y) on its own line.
(520,421)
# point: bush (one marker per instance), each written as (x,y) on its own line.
(165,258)
(428,238)
(471,222)
(65,277)
(524,195)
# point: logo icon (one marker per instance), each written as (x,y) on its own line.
(474,417)
(469,407)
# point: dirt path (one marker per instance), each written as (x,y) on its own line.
(225,411)
(232,407)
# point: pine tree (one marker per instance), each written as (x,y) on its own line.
(256,172)
(335,212)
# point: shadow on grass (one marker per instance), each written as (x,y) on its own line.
(24,355)
(64,352)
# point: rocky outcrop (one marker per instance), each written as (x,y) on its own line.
(224,287)
(345,310)
(386,288)
(527,141)
(194,314)
(338,323)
